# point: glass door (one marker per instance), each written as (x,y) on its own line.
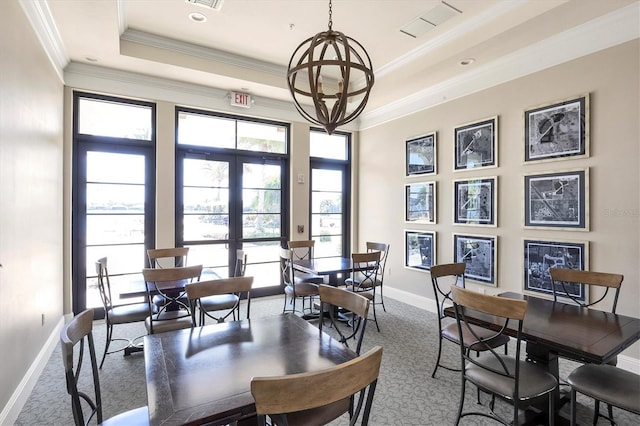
(232,202)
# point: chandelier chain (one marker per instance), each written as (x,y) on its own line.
(330,19)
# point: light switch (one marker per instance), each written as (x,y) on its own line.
(300,178)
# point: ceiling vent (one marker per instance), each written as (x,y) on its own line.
(209,4)
(429,20)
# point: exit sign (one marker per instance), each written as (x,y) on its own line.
(240,99)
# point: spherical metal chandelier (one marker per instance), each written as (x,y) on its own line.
(339,59)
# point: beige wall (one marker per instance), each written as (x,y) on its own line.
(611,77)
(31,194)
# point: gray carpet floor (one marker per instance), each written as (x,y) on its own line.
(406,393)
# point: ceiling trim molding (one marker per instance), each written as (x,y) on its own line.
(117,82)
(607,31)
(481,19)
(122,17)
(39,15)
(156,41)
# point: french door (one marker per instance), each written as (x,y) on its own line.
(227,202)
(113,215)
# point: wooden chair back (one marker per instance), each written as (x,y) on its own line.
(312,390)
(173,257)
(286,268)
(383,248)
(301,250)
(562,279)
(241,264)
(364,271)
(441,293)
(104,285)
(333,297)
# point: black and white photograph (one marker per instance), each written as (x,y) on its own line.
(420,250)
(421,155)
(420,202)
(557,200)
(479,252)
(475,201)
(559,130)
(476,145)
(542,255)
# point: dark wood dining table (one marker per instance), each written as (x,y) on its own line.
(138,288)
(334,268)
(556,329)
(203,375)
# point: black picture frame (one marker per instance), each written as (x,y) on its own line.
(542,254)
(419,249)
(475,201)
(421,155)
(420,202)
(557,131)
(557,200)
(476,144)
(480,253)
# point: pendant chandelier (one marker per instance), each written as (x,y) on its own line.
(348,78)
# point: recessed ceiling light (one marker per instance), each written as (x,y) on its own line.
(197,17)
(467,61)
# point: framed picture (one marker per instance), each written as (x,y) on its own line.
(476,144)
(557,200)
(541,255)
(420,202)
(558,130)
(480,253)
(421,155)
(475,201)
(419,250)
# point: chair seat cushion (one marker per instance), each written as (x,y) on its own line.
(219,302)
(534,381)
(168,321)
(299,278)
(350,281)
(450,332)
(609,384)
(128,313)
(302,289)
(318,416)
(136,417)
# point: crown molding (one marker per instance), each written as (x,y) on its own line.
(607,31)
(41,20)
(160,42)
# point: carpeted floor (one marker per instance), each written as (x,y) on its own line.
(406,393)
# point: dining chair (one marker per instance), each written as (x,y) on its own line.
(383,248)
(294,290)
(169,283)
(74,335)
(172,257)
(566,285)
(333,298)
(508,377)
(230,289)
(316,398)
(303,250)
(229,302)
(364,274)
(454,272)
(123,314)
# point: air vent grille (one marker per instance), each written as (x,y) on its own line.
(429,20)
(210,4)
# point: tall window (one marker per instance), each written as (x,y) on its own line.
(113,193)
(330,195)
(231,186)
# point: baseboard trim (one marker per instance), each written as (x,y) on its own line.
(625,362)
(11,411)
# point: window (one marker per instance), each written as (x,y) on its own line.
(330,195)
(113,193)
(231,185)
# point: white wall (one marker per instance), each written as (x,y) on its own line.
(31,194)
(611,77)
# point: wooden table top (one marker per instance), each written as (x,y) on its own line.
(203,374)
(323,265)
(585,335)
